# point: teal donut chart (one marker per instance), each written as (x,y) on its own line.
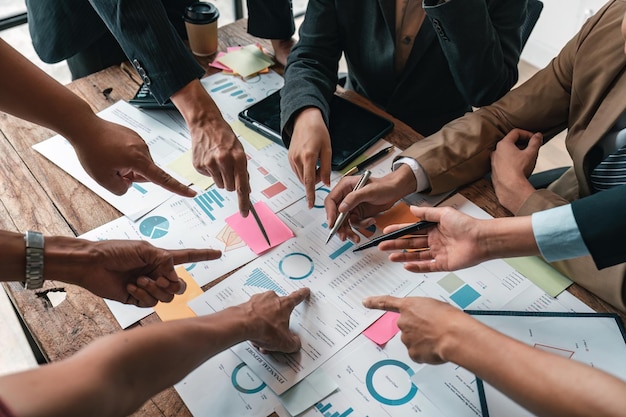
(233,379)
(281,266)
(369,382)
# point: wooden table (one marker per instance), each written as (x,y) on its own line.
(38,195)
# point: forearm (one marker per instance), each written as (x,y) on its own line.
(30,94)
(196,105)
(506,237)
(565,388)
(62,255)
(118,373)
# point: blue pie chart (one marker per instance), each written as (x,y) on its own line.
(154,227)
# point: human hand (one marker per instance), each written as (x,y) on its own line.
(115,157)
(453,244)
(269,316)
(428,326)
(310,142)
(378,195)
(511,165)
(131,272)
(216,150)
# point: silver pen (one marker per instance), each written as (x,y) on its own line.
(343,216)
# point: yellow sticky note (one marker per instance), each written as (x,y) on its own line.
(246,61)
(253,138)
(184,167)
(178,308)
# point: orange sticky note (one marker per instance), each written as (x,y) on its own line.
(178,308)
(383,329)
(247,228)
(398,214)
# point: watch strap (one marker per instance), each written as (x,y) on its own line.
(34,260)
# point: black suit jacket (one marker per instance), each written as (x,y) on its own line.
(465,54)
(601,219)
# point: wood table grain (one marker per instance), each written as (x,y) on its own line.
(37,195)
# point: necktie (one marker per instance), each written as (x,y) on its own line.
(611,171)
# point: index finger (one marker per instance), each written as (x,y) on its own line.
(310,179)
(159,177)
(242,183)
(183,256)
(383,302)
(336,196)
(296,297)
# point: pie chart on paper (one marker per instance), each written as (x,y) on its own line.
(154,227)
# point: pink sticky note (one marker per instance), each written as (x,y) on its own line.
(218,65)
(249,231)
(383,329)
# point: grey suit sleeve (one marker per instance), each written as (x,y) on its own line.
(311,73)
(151,43)
(481,40)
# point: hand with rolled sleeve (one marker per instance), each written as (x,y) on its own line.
(378,195)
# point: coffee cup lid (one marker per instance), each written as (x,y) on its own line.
(201,12)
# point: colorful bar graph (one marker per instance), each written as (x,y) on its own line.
(258,278)
(221,87)
(274,189)
(325,409)
(341,250)
(206,204)
(140,188)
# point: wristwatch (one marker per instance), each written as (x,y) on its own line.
(34,260)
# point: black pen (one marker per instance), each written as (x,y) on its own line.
(408,230)
(369,161)
(257,219)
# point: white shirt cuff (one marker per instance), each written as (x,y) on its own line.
(557,235)
(421,179)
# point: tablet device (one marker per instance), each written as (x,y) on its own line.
(352,128)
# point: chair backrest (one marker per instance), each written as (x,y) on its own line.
(533,11)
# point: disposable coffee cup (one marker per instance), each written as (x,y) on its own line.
(201,24)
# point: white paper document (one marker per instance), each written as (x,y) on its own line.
(339,280)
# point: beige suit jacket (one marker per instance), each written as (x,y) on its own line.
(582,90)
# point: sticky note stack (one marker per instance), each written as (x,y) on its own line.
(245,61)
